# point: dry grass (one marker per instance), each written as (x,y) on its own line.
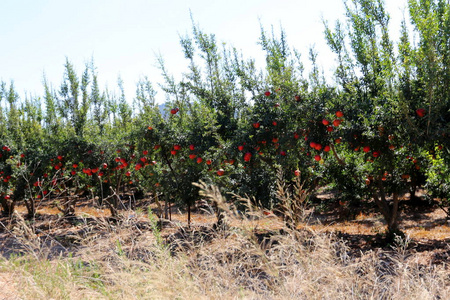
(205,264)
(134,260)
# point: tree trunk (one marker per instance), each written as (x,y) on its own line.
(389,212)
(8,207)
(166,212)
(220,215)
(189,215)
(30,208)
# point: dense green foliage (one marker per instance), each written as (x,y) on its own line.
(382,128)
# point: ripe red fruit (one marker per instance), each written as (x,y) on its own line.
(312,145)
(105,166)
(177,147)
(247,156)
(73,172)
(208,162)
(267,93)
(95,170)
(256,125)
(192,156)
(150,128)
(191,147)
(421,112)
(275,140)
(296,136)
(329,129)
(128,173)
(199,160)
(325,122)
(145,152)
(220,172)
(327,149)
(297,98)
(240,147)
(75,166)
(173,111)
(336,123)
(317,157)
(274,123)
(297,173)
(157,147)
(60,157)
(318,147)
(138,167)
(339,114)
(366,149)
(376,153)
(283,153)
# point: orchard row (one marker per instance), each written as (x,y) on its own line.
(380,129)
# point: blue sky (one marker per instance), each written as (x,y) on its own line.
(123,37)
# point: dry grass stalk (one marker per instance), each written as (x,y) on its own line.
(213,194)
(293,201)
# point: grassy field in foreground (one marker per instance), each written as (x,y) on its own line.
(133,259)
